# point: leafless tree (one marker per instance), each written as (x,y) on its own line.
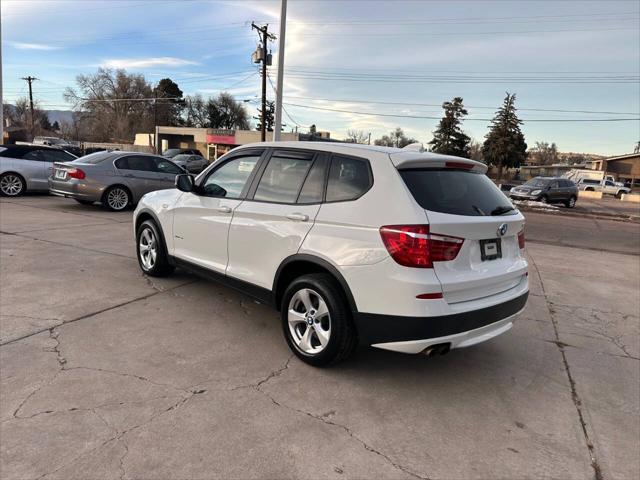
(118,104)
(357,136)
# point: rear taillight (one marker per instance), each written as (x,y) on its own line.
(414,246)
(76,173)
(521,239)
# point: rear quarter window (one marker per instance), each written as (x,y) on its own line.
(349,178)
(456,192)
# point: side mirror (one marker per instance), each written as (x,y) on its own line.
(184,182)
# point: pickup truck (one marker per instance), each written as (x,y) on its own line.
(605,186)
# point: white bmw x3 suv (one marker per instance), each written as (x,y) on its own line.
(400,250)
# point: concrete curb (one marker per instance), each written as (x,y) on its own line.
(572,213)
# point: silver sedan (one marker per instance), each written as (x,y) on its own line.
(26,168)
(116,179)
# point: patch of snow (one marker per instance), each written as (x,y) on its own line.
(547,207)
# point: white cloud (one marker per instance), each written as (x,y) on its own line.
(146,62)
(32,46)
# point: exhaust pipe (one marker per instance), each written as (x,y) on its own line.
(438,348)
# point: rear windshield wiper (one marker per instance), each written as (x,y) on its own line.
(479,210)
(501,210)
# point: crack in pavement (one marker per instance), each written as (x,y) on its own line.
(20,204)
(98,312)
(92,250)
(116,436)
(324,419)
(574,393)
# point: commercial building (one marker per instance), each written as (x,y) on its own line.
(214,143)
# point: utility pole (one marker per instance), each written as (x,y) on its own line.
(155,120)
(30,80)
(280,81)
(264,58)
(1,100)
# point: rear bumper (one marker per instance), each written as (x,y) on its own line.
(77,190)
(378,330)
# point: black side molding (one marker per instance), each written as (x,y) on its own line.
(374,328)
(261,294)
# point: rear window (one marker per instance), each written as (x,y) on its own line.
(93,158)
(589,181)
(456,192)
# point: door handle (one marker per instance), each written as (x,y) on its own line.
(299,217)
(127,175)
(224,209)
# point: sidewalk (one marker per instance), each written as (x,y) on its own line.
(607,207)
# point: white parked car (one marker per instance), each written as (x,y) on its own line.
(406,251)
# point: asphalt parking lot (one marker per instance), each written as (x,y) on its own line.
(108,374)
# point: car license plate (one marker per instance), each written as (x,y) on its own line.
(490,249)
(61,174)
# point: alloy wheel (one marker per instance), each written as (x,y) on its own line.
(117,198)
(148,248)
(11,185)
(572,202)
(309,321)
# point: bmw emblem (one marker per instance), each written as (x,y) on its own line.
(502,230)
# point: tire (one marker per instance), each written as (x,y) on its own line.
(325,339)
(619,194)
(153,260)
(570,203)
(544,199)
(84,202)
(116,198)
(12,185)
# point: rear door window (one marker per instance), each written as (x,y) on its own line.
(137,162)
(283,178)
(313,188)
(457,192)
(349,178)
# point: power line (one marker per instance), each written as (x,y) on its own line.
(470,119)
(416,104)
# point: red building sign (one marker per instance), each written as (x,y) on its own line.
(222,137)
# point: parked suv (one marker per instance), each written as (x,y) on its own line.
(547,190)
(406,251)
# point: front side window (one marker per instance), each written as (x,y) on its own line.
(349,178)
(165,166)
(230,179)
(282,179)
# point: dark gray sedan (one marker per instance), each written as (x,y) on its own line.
(191,163)
(116,179)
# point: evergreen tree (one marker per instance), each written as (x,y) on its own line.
(504,145)
(448,138)
(270,116)
(56,126)
(170,103)
(44,123)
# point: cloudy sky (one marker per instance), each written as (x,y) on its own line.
(358,64)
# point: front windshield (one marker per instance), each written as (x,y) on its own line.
(537,182)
